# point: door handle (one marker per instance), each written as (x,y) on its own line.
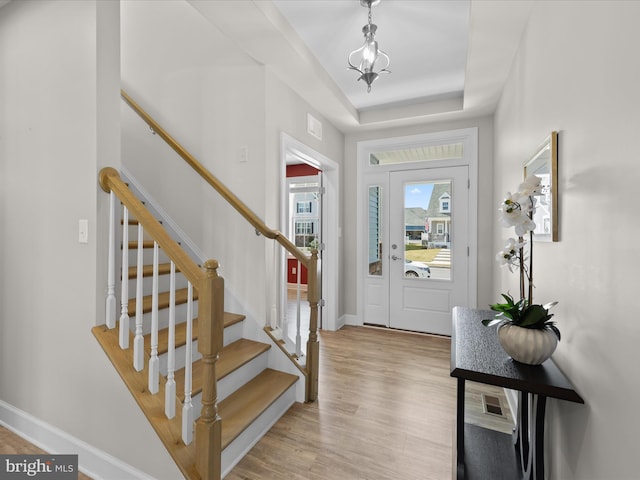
(395,257)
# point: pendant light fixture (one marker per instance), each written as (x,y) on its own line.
(369,57)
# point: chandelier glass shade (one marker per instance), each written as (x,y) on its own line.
(366,59)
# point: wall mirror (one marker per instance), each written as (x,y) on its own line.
(544,164)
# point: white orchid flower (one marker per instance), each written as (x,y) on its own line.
(511,213)
(511,254)
(505,258)
(513,246)
(526,226)
(531,186)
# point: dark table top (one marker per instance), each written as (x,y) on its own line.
(476,355)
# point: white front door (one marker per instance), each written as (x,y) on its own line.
(417,210)
(428,227)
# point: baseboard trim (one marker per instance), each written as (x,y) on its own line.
(91,461)
(353,320)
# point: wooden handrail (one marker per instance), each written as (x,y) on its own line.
(311,262)
(229,196)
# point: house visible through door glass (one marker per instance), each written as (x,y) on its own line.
(428,232)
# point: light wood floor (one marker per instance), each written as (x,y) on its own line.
(385,411)
(12,444)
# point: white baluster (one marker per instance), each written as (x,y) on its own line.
(138,341)
(298,337)
(170,386)
(124,294)
(187,408)
(154,363)
(110,307)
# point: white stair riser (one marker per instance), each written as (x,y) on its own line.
(163,318)
(232,333)
(181,355)
(163,284)
(247,439)
(147,256)
(242,375)
(233,381)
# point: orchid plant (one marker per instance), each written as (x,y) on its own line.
(517,211)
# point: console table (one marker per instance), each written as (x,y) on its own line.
(477,356)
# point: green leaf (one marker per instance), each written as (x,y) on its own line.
(533,315)
(508,298)
(490,321)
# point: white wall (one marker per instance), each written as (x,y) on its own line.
(214,99)
(58,126)
(485,210)
(210,97)
(577,72)
(287,112)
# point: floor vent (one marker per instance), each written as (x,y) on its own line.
(491,405)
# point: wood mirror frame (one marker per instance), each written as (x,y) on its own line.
(544,163)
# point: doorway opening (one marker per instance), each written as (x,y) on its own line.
(310,219)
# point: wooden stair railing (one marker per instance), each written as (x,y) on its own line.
(210,289)
(310,369)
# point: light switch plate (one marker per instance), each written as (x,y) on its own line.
(83,231)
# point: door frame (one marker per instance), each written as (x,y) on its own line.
(469,138)
(290,147)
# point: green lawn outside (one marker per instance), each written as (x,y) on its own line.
(419,254)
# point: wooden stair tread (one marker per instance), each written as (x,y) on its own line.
(133,244)
(181,333)
(232,357)
(133,221)
(169,431)
(163,301)
(242,407)
(237,411)
(147,270)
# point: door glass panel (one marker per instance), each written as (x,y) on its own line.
(375,228)
(427,230)
(420,154)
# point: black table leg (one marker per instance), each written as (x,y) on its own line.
(537,436)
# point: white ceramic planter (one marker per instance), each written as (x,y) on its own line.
(527,345)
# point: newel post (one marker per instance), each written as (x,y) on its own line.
(211,327)
(313,347)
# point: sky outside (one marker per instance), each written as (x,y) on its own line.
(417,195)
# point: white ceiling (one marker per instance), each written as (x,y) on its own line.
(449,59)
(426,41)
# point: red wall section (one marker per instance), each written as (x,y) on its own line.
(301,170)
(292,266)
